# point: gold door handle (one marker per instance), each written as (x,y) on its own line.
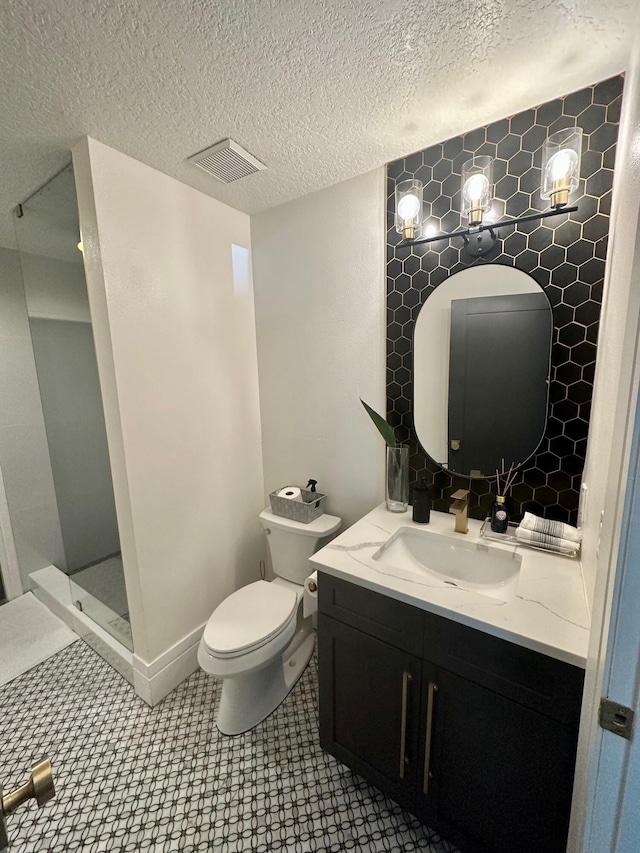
(406,678)
(455,444)
(39,787)
(432,690)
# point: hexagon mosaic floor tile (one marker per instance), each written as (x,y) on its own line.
(133,778)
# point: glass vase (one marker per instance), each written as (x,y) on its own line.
(397,479)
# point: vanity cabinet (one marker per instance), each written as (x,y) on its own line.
(474,735)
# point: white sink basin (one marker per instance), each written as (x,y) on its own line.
(458,563)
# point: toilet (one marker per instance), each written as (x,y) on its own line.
(257,640)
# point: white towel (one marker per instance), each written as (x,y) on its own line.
(558,529)
(549,543)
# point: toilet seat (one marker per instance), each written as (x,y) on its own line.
(249,618)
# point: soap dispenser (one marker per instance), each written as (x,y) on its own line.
(421,503)
(312,486)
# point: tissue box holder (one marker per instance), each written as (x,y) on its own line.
(311,506)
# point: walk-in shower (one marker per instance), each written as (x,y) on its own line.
(55,458)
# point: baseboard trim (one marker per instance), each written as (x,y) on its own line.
(154,667)
(155,680)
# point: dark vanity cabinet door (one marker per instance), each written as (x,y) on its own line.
(487,729)
(370,701)
(501,736)
(369,664)
(501,774)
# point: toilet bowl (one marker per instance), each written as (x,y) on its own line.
(257,640)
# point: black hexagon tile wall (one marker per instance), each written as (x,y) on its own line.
(566,256)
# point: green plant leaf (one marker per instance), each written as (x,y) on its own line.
(384,427)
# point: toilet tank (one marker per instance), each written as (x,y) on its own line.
(291,543)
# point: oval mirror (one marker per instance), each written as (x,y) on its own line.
(482,356)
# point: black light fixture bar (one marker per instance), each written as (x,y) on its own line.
(469,232)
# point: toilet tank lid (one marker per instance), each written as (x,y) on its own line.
(324,525)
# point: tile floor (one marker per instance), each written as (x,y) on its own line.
(133,778)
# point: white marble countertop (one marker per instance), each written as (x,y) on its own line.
(548,613)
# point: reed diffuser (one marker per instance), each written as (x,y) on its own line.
(499,514)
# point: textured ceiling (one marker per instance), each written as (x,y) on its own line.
(319,91)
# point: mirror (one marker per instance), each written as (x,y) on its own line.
(482,356)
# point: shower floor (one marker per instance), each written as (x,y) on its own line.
(100,591)
(105,581)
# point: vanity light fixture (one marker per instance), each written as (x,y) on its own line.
(560,177)
(477,185)
(409,209)
(561,165)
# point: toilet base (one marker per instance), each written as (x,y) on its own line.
(247,700)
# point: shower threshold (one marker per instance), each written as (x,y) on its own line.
(52,587)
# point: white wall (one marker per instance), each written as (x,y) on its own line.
(175,342)
(318,265)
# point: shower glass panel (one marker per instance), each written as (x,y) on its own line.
(47,233)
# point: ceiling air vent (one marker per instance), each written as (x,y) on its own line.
(227,161)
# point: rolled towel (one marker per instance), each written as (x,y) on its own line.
(558,529)
(549,543)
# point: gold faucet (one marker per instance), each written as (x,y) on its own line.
(460,508)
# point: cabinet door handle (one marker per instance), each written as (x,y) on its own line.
(432,690)
(406,678)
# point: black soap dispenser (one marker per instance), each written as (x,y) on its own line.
(421,503)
